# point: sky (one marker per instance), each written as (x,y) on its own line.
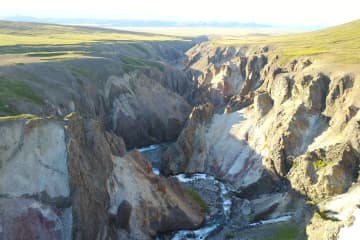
(274,12)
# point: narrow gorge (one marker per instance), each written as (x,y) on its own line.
(178,139)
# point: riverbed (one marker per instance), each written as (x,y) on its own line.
(219,197)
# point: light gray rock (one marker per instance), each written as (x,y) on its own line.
(33,159)
(325,172)
(263,103)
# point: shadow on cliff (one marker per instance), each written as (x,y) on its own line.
(230,158)
(271,197)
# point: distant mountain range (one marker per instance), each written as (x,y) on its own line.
(110,23)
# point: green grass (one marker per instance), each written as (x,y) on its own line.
(6,108)
(46,54)
(12,90)
(70,116)
(197,198)
(19,116)
(19,33)
(340,44)
(139,47)
(56,42)
(286,231)
(319,164)
(131,64)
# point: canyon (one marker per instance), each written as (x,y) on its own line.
(177,139)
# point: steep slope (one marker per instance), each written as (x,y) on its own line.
(69,179)
(270,119)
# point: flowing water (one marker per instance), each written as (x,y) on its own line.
(215,223)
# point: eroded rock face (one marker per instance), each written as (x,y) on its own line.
(89,167)
(243,148)
(143,111)
(263,103)
(191,144)
(73,180)
(34,188)
(152,206)
(226,71)
(274,114)
(29,219)
(217,147)
(325,172)
(336,217)
(296,122)
(33,159)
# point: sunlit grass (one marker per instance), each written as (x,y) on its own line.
(131,64)
(340,44)
(197,198)
(13,33)
(33,42)
(74,38)
(19,116)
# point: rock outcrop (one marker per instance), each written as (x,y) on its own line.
(143,111)
(336,217)
(184,156)
(73,180)
(155,205)
(106,200)
(325,172)
(296,122)
(263,103)
(225,72)
(34,188)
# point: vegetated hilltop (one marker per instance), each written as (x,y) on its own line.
(281,117)
(339,44)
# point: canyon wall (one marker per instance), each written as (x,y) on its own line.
(70,179)
(266,126)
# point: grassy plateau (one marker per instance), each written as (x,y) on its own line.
(339,44)
(22,42)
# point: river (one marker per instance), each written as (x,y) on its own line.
(214,222)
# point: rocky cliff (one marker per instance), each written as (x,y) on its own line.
(271,123)
(70,179)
